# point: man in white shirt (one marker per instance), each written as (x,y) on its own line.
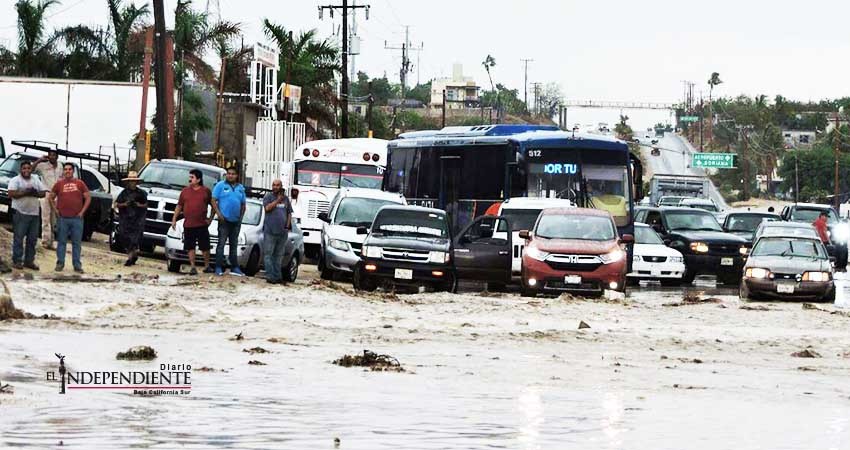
(50,171)
(25,190)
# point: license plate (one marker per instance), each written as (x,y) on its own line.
(4,208)
(785,288)
(404,274)
(727,261)
(572,279)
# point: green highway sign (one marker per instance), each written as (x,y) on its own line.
(689,119)
(714,160)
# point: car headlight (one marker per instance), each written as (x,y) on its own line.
(339,244)
(536,253)
(612,256)
(371,252)
(743,250)
(438,257)
(841,232)
(677,259)
(816,276)
(242,239)
(757,272)
(699,247)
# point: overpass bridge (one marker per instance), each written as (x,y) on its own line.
(609,104)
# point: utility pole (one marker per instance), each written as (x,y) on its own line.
(444,109)
(536,95)
(525,84)
(745,189)
(143,118)
(160,70)
(343,90)
(700,123)
(369,111)
(405,48)
(837,141)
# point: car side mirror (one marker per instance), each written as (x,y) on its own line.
(362,230)
(323,216)
(525,234)
(627,239)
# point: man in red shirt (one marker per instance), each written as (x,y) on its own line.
(821,227)
(194,203)
(70,198)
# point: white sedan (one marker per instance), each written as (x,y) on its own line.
(653,260)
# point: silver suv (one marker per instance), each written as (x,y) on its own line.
(350,209)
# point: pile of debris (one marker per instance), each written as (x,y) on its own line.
(371,360)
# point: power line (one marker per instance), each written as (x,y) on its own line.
(406,48)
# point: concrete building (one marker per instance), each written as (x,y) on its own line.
(461,92)
(799,138)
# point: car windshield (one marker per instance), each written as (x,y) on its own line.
(691,221)
(11,167)
(337,175)
(520,219)
(811,214)
(646,235)
(790,247)
(807,231)
(358,211)
(253,213)
(575,226)
(170,176)
(410,223)
(745,222)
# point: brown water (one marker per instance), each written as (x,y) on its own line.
(482,373)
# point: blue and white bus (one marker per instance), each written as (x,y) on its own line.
(465,170)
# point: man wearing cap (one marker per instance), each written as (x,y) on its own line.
(132,204)
(50,171)
(25,191)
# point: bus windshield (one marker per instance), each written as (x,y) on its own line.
(595,186)
(337,175)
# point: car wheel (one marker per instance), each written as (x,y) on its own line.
(450,285)
(689,276)
(114,245)
(253,265)
(732,279)
(291,272)
(363,282)
(526,292)
(324,272)
(496,287)
(174,266)
(633,281)
(830,296)
(671,282)
(88,232)
(147,248)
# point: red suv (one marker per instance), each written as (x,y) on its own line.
(574,250)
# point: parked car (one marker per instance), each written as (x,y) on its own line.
(791,266)
(697,235)
(99,215)
(406,246)
(249,248)
(350,209)
(699,203)
(522,213)
(745,223)
(573,250)
(770,228)
(839,231)
(652,260)
(670,200)
(163,179)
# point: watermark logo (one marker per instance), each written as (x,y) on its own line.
(166,379)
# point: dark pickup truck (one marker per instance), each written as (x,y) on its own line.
(701,240)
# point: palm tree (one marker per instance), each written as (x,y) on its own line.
(311,64)
(35,56)
(488,63)
(713,81)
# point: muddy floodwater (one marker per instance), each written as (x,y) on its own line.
(481,371)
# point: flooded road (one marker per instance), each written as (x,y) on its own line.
(482,371)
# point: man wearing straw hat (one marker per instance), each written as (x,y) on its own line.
(132,204)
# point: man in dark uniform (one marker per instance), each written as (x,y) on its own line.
(132,204)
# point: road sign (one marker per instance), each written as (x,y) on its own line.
(689,119)
(714,160)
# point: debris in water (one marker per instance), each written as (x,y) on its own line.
(836,312)
(807,369)
(755,308)
(238,337)
(206,369)
(336,442)
(254,362)
(142,352)
(691,360)
(693,299)
(806,353)
(255,350)
(372,360)
(582,324)
(5,388)
(688,387)
(7,307)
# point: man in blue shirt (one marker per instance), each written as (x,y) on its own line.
(228,201)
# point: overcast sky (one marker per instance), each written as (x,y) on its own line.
(611,50)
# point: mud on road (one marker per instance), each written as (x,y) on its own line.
(480,369)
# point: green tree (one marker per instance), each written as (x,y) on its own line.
(312,64)
(36,55)
(421,92)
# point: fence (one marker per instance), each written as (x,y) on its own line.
(274,144)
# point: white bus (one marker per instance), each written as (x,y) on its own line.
(320,168)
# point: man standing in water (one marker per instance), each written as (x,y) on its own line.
(132,204)
(194,202)
(25,191)
(229,204)
(70,198)
(50,171)
(275,230)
